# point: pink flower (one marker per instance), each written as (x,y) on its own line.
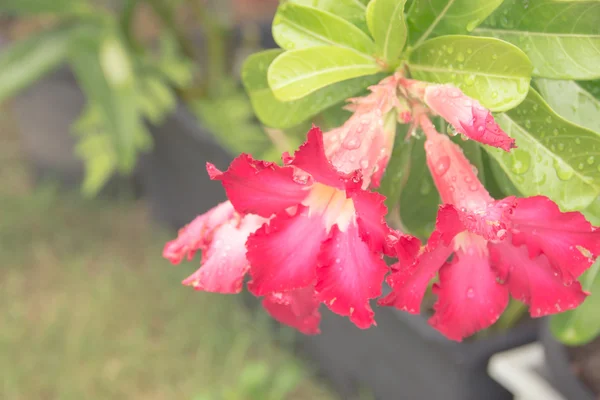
(465,114)
(365,141)
(220,234)
(526,248)
(324,239)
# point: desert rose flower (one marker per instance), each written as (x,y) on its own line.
(221,235)
(464,113)
(524,247)
(324,240)
(365,141)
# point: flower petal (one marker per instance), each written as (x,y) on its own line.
(310,157)
(349,275)
(224,263)
(260,187)
(197,234)
(407,249)
(409,283)
(298,309)
(467,116)
(283,254)
(534,281)
(370,216)
(469,298)
(569,241)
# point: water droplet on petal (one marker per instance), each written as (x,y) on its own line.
(470,293)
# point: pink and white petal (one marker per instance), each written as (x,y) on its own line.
(195,235)
(261,188)
(467,116)
(370,216)
(569,241)
(310,157)
(298,308)
(349,275)
(283,254)
(224,263)
(534,281)
(469,297)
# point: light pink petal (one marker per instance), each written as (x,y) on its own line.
(569,241)
(283,254)
(534,281)
(224,263)
(454,176)
(467,116)
(259,187)
(310,157)
(197,233)
(298,308)
(370,216)
(469,298)
(349,275)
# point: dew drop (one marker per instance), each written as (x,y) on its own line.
(521,162)
(460,57)
(555,132)
(549,119)
(561,146)
(590,160)
(450,49)
(577,141)
(580,166)
(563,171)
(470,293)
(442,166)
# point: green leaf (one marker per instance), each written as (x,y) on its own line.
(555,157)
(25,61)
(397,171)
(386,19)
(297,27)
(350,10)
(501,180)
(277,114)
(562,39)
(32,7)
(103,71)
(492,71)
(297,73)
(592,213)
(444,17)
(581,325)
(573,100)
(419,199)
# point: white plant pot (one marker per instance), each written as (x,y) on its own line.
(522,371)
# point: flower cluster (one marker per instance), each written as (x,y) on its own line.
(312,231)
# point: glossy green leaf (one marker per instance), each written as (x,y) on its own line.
(419,200)
(397,171)
(497,176)
(592,212)
(350,10)
(297,73)
(297,27)
(581,325)
(25,61)
(555,157)
(277,114)
(445,17)
(388,27)
(32,7)
(562,39)
(573,100)
(492,71)
(103,71)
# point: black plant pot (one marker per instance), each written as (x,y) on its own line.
(44,114)
(173,174)
(404,358)
(558,363)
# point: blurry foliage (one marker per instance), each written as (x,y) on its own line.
(130,81)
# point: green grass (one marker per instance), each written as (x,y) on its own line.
(90,310)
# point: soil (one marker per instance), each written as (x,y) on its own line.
(585,361)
